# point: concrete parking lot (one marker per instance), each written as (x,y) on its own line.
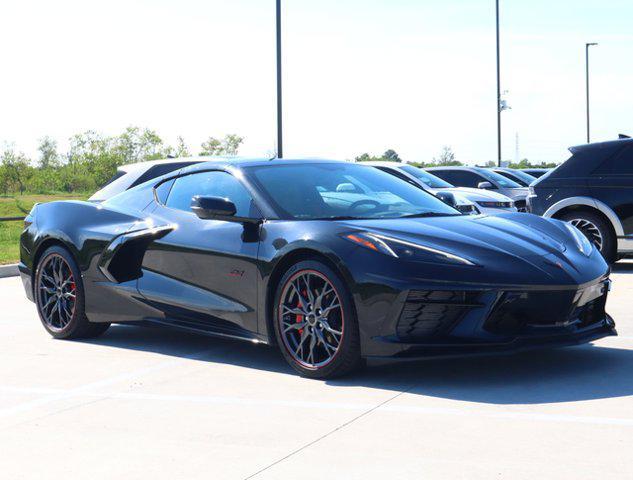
(151,403)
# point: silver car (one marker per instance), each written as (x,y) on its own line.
(486,202)
(485,179)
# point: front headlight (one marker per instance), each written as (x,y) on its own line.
(582,242)
(496,204)
(398,248)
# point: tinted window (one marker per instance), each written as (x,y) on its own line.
(162,191)
(397,174)
(159,170)
(116,176)
(460,178)
(518,176)
(494,177)
(620,163)
(327,190)
(210,184)
(429,180)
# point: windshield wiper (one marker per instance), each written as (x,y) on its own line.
(341,217)
(430,214)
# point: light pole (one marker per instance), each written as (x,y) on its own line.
(280,147)
(587,45)
(498,89)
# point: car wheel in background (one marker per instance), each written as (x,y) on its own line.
(315,323)
(59,296)
(596,229)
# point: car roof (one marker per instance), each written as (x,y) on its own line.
(383,164)
(608,143)
(241,162)
(463,167)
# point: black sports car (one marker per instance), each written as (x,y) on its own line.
(332,261)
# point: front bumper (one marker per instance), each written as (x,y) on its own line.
(448,322)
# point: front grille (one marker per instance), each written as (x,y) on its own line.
(521,205)
(517,313)
(433,313)
(469,209)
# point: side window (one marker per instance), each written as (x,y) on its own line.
(399,175)
(210,184)
(619,164)
(460,178)
(162,191)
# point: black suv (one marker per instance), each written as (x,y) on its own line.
(593,190)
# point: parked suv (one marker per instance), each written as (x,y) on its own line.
(593,190)
(477,177)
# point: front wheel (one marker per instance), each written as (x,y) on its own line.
(315,323)
(597,230)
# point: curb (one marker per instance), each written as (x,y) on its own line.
(9,270)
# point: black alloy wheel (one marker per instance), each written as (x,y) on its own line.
(315,324)
(59,296)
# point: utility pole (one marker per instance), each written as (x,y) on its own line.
(280,145)
(498,89)
(587,45)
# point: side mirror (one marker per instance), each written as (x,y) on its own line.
(447,198)
(218,208)
(213,208)
(485,185)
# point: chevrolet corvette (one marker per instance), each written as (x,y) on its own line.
(332,262)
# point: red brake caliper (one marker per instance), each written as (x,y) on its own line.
(298,319)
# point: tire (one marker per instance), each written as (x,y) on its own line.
(59,297)
(325,329)
(597,230)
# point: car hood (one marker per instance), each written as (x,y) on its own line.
(515,193)
(520,248)
(477,194)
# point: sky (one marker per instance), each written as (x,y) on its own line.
(359,75)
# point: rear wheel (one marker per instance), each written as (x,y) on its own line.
(596,229)
(315,323)
(59,296)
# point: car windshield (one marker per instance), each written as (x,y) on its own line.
(500,179)
(429,180)
(311,191)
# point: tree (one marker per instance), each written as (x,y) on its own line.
(391,156)
(228,146)
(366,157)
(17,169)
(139,145)
(49,158)
(231,144)
(446,158)
(181,149)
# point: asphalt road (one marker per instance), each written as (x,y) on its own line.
(151,403)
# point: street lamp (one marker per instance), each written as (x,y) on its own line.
(280,148)
(587,45)
(499,109)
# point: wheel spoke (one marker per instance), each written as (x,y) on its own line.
(302,300)
(325,291)
(295,326)
(327,327)
(293,311)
